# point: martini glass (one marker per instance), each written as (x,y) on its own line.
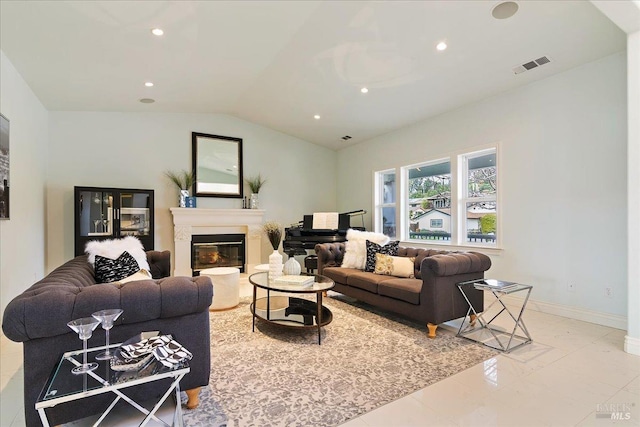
(84,328)
(107,317)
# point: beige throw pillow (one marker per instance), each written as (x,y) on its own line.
(140,275)
(398,266)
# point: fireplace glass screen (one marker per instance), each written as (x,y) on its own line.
(217,250)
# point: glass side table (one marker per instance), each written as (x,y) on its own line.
(505,340)
(63,386)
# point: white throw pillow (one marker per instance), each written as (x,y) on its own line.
(113,248)
(355,255)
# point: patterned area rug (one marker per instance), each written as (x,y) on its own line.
(280,376)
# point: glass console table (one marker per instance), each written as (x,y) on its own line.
(63,386)
(499,339)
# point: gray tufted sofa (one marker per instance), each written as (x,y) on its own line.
(432,297)
(172,305)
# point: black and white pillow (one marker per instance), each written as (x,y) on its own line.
(390,248)
(109,270)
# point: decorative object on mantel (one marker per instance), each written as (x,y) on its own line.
(184,181)
(255,183)
(274,233)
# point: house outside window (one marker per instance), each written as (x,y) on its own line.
(450,201)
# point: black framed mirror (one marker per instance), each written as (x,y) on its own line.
(217,165)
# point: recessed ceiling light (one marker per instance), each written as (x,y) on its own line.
(505,10)
(157,32)
(317,117)
(148,84)
(364,90)
(147,100)
(441,46)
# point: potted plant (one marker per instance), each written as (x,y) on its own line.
(273,230)
(255,183)
(184,180)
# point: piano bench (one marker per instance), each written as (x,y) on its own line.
(311,263)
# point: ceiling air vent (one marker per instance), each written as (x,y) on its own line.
(531,65)
(346,138)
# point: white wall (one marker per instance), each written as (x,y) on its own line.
(22,238)
(632,340)
(563,178)
(133,150)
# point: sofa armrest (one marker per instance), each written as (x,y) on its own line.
(440,274)
(329,255)
(456,263)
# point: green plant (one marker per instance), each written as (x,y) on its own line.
(183,180)
(273,230)
(488,223)
(255,183)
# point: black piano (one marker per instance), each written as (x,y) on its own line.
(302,237)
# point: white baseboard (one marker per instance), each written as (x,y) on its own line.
(632,345)
(604,319)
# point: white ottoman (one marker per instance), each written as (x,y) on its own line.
(226,286)
(262,267)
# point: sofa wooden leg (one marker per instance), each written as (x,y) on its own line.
(472,319)
(193,398)
(432,330)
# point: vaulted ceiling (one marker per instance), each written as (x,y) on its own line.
(279,63)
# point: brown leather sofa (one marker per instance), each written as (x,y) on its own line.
(432,297)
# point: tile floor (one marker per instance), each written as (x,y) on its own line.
(564,378)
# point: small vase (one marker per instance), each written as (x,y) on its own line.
(254,201)
(275,265)
(292,267)
(183,198)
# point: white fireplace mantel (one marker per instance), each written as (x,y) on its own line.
(188,222)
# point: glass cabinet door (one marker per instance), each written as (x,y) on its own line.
(96,213)
(135,213)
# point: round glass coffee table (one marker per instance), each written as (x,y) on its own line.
(290,311)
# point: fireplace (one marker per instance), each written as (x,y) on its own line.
(189,223)
(217,250)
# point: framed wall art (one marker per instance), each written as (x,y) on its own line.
(4,167)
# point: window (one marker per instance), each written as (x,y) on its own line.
(452,200)
(479,196)
(429,199)
(385,211)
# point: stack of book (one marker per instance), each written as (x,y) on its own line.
(295,280)
(495,285)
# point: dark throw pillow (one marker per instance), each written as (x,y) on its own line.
(109,270)
(390,248)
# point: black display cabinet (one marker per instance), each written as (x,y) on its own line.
(108,213)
